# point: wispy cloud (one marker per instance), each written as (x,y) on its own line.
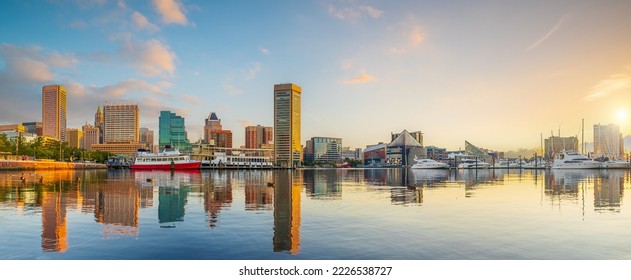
(231,90)
(128,87)
(264,51)
(245,123)
(152,57)
(362,78)
(414,37)
(31,63)
(190,98)
(353,13)
(619,83)
(141,22)
(545,37)
(251,72)
(171,11)
(346,64)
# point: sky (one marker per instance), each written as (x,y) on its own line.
(499,74)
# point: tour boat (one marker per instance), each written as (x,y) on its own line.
(428,164)
(574,160)
(168,159)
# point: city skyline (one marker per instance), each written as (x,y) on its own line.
(456,72)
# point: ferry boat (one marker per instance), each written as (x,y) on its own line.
(240,161)
(428,164)
(168,159)
(574,160)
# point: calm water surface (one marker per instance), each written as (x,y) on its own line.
(315,214)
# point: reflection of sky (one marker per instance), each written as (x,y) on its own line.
(512,216)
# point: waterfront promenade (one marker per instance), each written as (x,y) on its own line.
(46,165)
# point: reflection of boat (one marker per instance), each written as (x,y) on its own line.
(472,163)
(430,175)
(170,158)
(117,162)
(574,160)
(616,164)
(428,164)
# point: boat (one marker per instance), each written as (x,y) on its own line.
(612,164)
(574,160)
(537,163)
(509,163)
(428,164)
(467,163)
(169,159)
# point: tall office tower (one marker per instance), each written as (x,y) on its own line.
(607,141)
(256,136)
(121,123)
(287,149)
(146,137)
(211,124)
(54,112)
(173,132)
(99,121)
(75,137)
(91,136)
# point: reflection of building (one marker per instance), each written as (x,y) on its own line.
(608,141)
(171,204)
(323,149)
(54,112)
(117,205)
(324,184)
(216,197)
(173,132)
(608,192)
(258,196)
(287,145)
(54,228)
(287,211)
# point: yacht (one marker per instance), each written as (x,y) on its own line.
(616,164)
(428,164)
(537,163)
(509,163)
(574,160)
(467,163)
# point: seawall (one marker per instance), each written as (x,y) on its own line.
(47,165)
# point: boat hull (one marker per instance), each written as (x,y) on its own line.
(175,166)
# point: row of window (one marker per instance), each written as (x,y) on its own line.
(168,159)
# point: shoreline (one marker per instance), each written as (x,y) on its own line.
(46,165)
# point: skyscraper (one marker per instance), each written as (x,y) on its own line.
(74,137)
(54,112)
(146,137)
(256,136)
(121,123)
(91,136)
(211,124)
(99,121)
(173,132)
(287,149)
(608,141)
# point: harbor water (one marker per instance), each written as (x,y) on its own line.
(324,214)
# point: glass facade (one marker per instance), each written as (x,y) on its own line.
(173,132)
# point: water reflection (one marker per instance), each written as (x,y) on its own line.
(287,188)
(323,185)
(608,191)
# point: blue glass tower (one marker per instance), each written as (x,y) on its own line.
(172,132)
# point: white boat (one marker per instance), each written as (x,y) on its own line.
(168,159)
(537,163)
(509,163)
(574,160)
(467,163)
(616,164)
(428,164)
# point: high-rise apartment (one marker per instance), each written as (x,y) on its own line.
(608,141)
(91,136)
(146,137)
(54,112)
(256,136)
(287,149)
(211,124)
(75,137)
(173,132)
(121,123)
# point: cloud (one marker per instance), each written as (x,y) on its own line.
(346,64)
(141,22)
(264,51)
(31,64)
(231,90)
(613,85)
(362,78)
(245,123)
(251,72)
(542,39)
(190,98)
(353,13)
(414,37)
(127,87)
(152,58)
(171,11)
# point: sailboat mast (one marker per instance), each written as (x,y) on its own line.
(582,136)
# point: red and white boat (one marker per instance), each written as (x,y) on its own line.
(169,159)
